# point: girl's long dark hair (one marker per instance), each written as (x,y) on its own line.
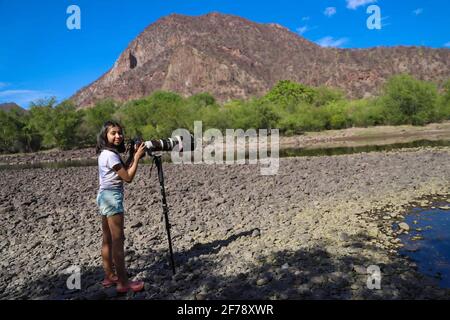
(102,140)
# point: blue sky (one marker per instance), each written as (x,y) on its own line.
(41,57)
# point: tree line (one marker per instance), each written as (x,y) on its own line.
(291,107)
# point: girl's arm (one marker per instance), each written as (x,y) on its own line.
(127,174)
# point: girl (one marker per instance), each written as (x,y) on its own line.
(112,172)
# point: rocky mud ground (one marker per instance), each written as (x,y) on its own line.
(309,232)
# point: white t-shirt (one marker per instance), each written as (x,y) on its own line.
(108,178)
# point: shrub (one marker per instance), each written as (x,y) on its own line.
(410,101)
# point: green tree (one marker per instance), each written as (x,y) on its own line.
(201,100)
(164,111)
(287,93)
(14,135)
(67,119)
(444,102)
(55,125)
(41,121)
(94,118)
(446,94)
(324,95)
(251,114)
(366,112)
(410,101)
(336,115)
(9,132)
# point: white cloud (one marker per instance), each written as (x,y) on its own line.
(447,44)
(24,97)
(330,11)
(331,42)
(8,93)
(305,18)
(354,4)
(302,30)
(3,84)
(418,11)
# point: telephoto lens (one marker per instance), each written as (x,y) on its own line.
(163,144)
(169,144)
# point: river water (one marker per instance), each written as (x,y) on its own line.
(428,241)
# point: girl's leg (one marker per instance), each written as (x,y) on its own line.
(107,249)
(116,224)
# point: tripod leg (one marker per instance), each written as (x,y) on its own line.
(165,208)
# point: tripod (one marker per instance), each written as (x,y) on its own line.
(158,162)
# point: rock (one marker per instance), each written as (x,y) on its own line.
(218,201)
(304,288)
(344,237)
(179,276)
(42,216)
(206,198)
(136,225)
(404,226)
(284,296)
(354,287)
(6,209)
(99,295)
(319,280)
(445,207)
(256,233)
(285,266)
(262,281)
(139,296)
(200,296)
(111,292)
(360,269)
(316,242)
(373,232)
(172,287)
(424,203)
(147,286)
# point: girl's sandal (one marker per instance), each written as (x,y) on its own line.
(109,282)
(135,286)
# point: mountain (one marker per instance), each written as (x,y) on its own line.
(8,106)
(232,57)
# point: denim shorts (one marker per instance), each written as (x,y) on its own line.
(110,202)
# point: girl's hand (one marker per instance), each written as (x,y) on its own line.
(140,152)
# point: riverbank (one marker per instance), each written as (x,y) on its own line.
(350,138)
(379,135)
(309,232)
